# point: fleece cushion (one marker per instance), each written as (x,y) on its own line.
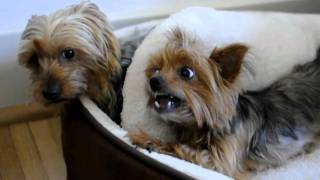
(305,167)
(277,42)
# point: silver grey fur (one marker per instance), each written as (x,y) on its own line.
(280,120)
(285,115)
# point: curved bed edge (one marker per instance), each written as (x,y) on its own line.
(113,133)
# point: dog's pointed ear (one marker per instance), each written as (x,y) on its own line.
(230,60)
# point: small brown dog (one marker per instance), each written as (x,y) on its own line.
(220,127)
(73,52)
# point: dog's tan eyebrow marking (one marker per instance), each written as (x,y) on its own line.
(40,46)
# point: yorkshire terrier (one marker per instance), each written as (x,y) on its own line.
(218,126)
(73,52)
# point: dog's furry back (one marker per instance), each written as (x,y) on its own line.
(269,127)
(286,114)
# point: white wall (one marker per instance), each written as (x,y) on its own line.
(14,83)
(15,13)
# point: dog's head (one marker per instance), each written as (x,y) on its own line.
(70,52)
(189,89)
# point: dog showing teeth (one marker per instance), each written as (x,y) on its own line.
(165,103)
(156,104)
(220,127)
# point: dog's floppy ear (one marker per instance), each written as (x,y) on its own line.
(230,60)
(99,24)
(34,26)
(26,56)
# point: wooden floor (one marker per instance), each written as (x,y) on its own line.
(31,151)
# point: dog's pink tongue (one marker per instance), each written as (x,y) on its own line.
(163,103)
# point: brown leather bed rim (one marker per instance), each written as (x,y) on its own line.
(160,168)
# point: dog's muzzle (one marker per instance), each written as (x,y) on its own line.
(157,83)
(52,91)
(163,102)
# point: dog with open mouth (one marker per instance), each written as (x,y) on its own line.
(217,125)
(277,43)
(73,52)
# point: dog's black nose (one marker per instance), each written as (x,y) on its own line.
(51,92)
(156,83)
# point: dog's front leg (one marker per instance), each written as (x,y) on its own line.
(145,141)
(215,159)
(210,159)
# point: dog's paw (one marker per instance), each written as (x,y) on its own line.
(151,148)
(142,140)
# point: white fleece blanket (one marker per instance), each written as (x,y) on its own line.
(185,167)
(302,168)
(277,41)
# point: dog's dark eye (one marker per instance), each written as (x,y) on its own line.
(33,61)
(68,53)
(187,73)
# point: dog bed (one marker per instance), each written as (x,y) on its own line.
(304,167)
(271,54)
(114,156)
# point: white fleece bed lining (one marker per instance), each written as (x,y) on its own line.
(297,169)
(180,165)
(302,167)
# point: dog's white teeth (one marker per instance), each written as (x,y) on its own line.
(156,104)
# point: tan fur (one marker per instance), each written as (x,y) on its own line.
(95,66)
(208,102)
(200,89)
(225,154)
(219,127)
